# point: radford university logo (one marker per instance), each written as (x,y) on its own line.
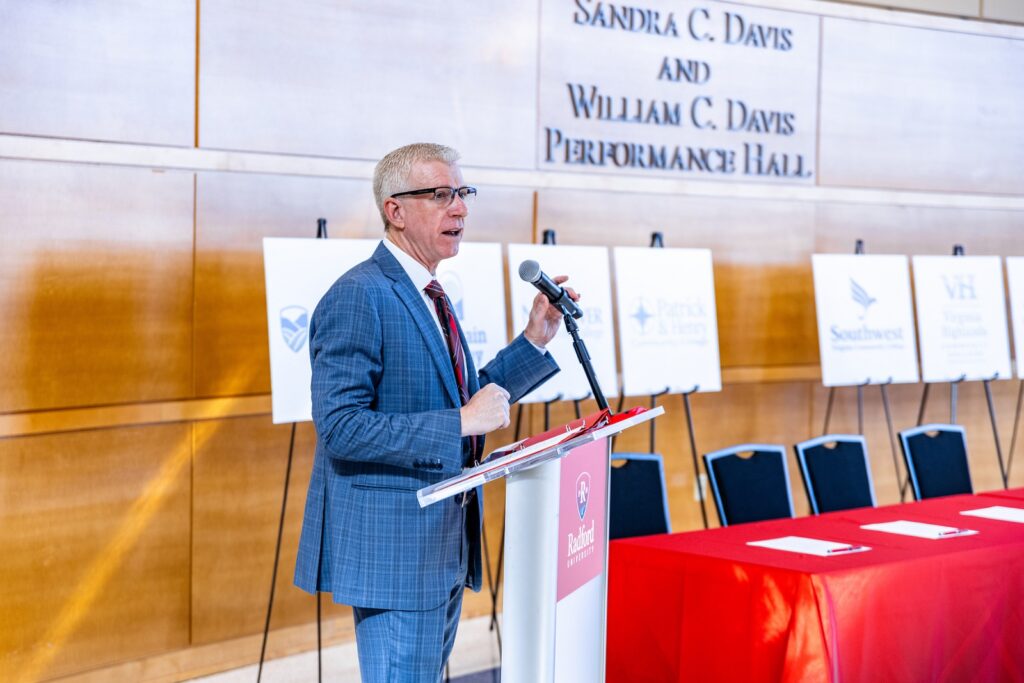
(582,493)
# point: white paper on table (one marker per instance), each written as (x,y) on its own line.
(999,512)
(903,527)
(809,546)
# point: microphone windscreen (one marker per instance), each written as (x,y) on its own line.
(529,270)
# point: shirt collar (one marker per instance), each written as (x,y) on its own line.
(419,275)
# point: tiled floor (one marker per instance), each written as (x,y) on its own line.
(474,660)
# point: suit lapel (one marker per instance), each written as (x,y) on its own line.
(413,301)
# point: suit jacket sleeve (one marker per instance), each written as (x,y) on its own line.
(346,349)
(519,368)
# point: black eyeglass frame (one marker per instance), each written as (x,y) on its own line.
(465,192)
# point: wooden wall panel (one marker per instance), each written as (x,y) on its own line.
(913,108)
(296,78)
(95,547)
(95,285)
(1003,10)
(893,229)
(233,215)
(761,251)
(238,482)
(100,71)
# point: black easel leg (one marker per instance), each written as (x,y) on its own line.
(652,434)
(924,403)
(693,457)
(495,587)
(860,410)
(828,410)
(492,589)
(1016,424)
(995,432)
(277,554)
(892,442)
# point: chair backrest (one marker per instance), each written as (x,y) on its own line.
(936,457)
(750,489)
(638,505)
(836,472)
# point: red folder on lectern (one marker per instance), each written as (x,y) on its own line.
(507,459)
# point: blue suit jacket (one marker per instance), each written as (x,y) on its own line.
(386,412)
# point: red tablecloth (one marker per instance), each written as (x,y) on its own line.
(704,606)
(1016,494)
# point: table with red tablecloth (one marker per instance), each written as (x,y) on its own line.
(1016,494)
(705,606)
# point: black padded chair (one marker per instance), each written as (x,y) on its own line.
(639,501)
(750,488)
(936,457)
(836,472)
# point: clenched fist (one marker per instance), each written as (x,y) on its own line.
(486,411)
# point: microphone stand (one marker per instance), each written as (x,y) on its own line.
(584,357)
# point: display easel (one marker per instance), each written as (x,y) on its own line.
(1004,470)
(883,387)
(321,233)
(658,242)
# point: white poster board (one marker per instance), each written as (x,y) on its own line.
(587,268)
(1015,283)
(300,271)
(865,319)
(668,326)
(474,280)
(961,315)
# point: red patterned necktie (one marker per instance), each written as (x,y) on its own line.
(454,340)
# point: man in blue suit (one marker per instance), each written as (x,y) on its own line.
(398,405)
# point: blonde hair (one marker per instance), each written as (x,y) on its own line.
(392,172)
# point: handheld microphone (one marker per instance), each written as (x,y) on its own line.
(530,271)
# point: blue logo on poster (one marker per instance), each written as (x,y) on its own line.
(582,493)
(452,286)
(641,315)
(861,296)
(294,326)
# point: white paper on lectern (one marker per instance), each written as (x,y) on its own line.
(961,317)
(587,268)
(1015,283)
(298,272)
(865,319)
(668,325)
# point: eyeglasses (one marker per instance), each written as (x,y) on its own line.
(442,196)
